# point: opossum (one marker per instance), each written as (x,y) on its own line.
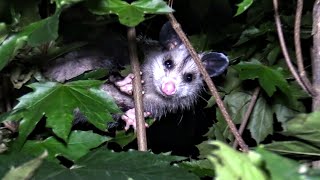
(172,80)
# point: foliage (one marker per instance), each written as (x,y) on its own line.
(48,145)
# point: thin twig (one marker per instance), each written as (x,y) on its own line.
(212,88)
(297,45)
(137,90)
(316,55)
(284,48)
(246,116)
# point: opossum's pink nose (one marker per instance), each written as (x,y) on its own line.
(168,88)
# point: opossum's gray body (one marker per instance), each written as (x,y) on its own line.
(171,78)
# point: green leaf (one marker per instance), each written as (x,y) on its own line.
(293,148)
(304,126)
(199,42)
(269,78)
(79,144)
(94,74)
(232,81)
(26,170)
(10,160)
(58,102)
(123,138)
(243,6)
(261,120)
(202,168)
(230,164)
(34,34)
(237,104)
(63,3)
(124,165)
(282,168)
(273,54)
(283,113)
(129,14)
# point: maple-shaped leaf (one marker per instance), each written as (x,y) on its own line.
(269,78)
(79,144)
(58,102)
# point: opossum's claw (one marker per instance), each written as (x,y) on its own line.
(130,118)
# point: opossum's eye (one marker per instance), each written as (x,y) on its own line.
(168,64)
(188,77)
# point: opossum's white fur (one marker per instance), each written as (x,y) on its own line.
(153,71)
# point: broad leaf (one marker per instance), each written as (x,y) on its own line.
(34,34)
(16,159)
(293,148)
(124,165)
(269,78)
(244,5)
(283,168)
(79,144)
(58,102)
(237,104)
(129,14)
(122,138)
(230,164)
(26,170)
(304,126)
(202,168)
(283,113)
(261,121)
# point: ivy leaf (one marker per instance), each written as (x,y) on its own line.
(261,121)
(124,165)
(230,164)
(269,78)
(34,34)
(243,6)
(79,144)
(129,14)
(58,102)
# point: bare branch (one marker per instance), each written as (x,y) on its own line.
(284,48)
(246,116)
(316,55)
(212,88)
(297,45)
(137,90)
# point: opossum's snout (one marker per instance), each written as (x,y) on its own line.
(168,87)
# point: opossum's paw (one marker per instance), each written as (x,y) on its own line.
(130,118)
(125,85)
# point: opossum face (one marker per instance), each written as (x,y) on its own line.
(175,75)
(174,72)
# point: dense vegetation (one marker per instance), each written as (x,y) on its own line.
(282,127)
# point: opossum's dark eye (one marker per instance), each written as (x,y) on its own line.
(168,64)
(188,77)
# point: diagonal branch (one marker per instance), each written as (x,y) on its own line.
(246,116)
(212,88)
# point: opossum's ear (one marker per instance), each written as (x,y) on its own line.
(168,37)
(215,63)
